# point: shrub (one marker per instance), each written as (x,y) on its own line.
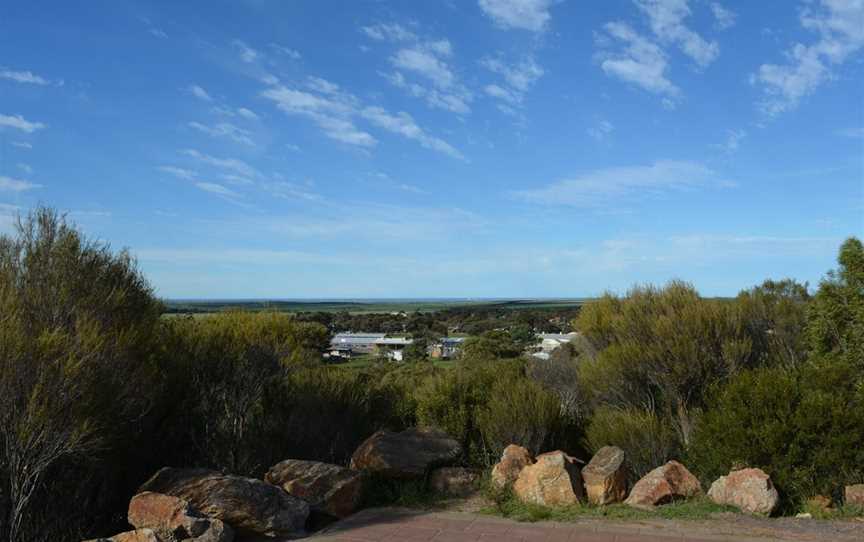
(661,350)
(78,375)
(804,427)
(648,440)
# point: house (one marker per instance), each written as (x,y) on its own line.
(447,348)
(392,348)
(357,343)
(551,341)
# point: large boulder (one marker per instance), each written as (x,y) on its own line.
(513,460)
(664,484)
(329,489)
(173,518)
(456,481)
(138,535)
(553,480)
(854,495)
(407,454)
(750,490)
(251,507)
(605,476)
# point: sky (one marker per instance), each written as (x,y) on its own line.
(444,148)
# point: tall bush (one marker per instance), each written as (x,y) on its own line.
(78,373)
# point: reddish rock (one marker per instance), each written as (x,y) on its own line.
(456,481)
(605,476)
(251,507)
(854,495)
(664,484)
(329,489)
(173,518)
(138,535)
(408,454)
(750,490)
(513,460)
(553,480)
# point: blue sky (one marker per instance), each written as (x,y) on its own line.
(503,148)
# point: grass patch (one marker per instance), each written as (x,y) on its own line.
(836,512)
(508,506)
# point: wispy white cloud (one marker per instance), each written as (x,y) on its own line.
(8,184)
(21,145)
(225,130)
(25,77)
(25,168)
(217,189)
(724,18)
(614,185)
(601,130)
(453,100)
(20,123)
(228,164)
(199,93)
(292,191)
(180,173)
(332,114)
(247,54)
(292,147)
(293,54)
(518,78)
(666,18)
(392,32)
(403,124)
(530,15)
(732,142)
(334,111)
(641,62)
(427,62)
(840,26)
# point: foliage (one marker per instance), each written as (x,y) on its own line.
(497,344)
(836,319)
(660,351)
(648,440)
(77,329)
(804,427)
(775,315)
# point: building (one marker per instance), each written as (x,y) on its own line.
(392,348)
(356,343)
(447,348)
(551,341)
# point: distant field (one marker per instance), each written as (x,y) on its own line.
(362,306)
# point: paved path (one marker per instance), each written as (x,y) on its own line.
(393,524)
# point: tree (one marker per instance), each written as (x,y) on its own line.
(77,326)
(497,344)
(836,317)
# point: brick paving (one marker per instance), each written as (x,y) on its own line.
(393,524)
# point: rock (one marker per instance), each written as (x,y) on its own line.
(854,495)
(138,535)
(750,490)
(456,481)
(553,480)
(329,489)
(804,515)
(513,460)
(251,507)
(664,484)
(173,518)
(605,476)
(408,454)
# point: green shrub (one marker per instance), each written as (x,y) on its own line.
(79,375)
(804,427)
(647,439)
